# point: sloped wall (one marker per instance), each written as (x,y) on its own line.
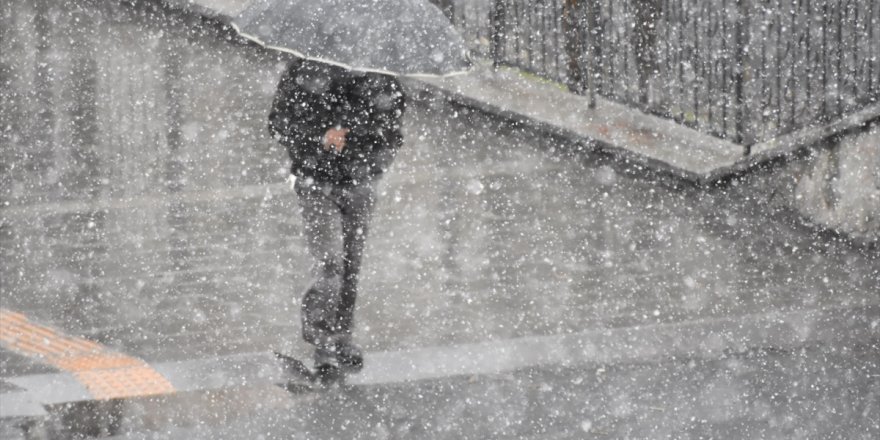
(840,188)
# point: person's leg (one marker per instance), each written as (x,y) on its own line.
(321,226)
(357,207)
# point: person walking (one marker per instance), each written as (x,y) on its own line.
(341,129)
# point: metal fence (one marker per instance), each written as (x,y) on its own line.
(746,70)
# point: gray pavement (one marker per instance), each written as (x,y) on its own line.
(809,393)
(143,205)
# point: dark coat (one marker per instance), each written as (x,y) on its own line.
(314,97)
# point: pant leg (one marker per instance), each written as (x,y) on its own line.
(357,202)
(322,230)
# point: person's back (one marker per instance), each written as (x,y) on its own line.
(342,131)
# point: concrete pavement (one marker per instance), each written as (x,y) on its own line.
(151,216)
(808,393)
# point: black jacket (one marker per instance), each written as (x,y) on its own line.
(313,97)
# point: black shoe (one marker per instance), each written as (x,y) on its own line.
(327,374)
(325,355)
(349,356)
(327,370)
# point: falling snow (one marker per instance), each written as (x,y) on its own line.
(541,261)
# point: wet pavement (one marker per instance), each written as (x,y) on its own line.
(144,206)
(810,393)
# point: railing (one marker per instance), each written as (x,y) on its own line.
(745,70)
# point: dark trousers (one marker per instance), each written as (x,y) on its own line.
(335,222)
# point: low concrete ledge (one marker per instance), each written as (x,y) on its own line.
(627,132)
(611,127)
(792,143)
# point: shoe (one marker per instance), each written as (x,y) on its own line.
(349,356)
(327,369)
(325,356)
(328,375)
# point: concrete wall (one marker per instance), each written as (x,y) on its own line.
(840,186)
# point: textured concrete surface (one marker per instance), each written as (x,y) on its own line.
(143,205)
(806,393)
(171,233)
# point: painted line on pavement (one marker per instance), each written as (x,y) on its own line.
(106,374)
(706,338)
(20,404)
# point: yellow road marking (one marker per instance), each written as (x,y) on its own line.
(107,374)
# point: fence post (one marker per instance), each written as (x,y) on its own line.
(742,76)
(645,37)
(498,18)
(594,50)
(447,7)
(572,28)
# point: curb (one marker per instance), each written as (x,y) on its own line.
(762,153)
(792,143)
(580,143)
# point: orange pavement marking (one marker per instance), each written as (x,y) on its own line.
(105,373)
(124,382)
